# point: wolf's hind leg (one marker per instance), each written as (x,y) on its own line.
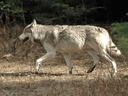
(111,60)
(39,61)
(68,62)
(95,58)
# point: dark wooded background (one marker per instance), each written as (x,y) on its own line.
(72,12)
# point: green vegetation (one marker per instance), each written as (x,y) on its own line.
(60,11)
(47,11)
(120,30)
(11,9)
(126,76)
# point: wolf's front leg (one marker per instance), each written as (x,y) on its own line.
(39,61)
(68,62)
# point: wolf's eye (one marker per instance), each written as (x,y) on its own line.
(27,30)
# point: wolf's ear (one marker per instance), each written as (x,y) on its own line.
(34,23)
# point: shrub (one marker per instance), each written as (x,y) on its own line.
(11,9)
(119,30)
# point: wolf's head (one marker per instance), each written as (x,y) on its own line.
(27,32)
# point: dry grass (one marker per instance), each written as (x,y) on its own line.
(17,76)
(18,79)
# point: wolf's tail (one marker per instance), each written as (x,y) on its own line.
(113,50)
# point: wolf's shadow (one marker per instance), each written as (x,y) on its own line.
(39,74)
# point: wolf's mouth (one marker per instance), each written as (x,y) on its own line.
(25,39)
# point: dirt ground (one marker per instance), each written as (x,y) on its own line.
(17,76)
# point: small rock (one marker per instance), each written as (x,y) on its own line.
(7,56)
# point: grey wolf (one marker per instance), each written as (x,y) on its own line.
(67,39)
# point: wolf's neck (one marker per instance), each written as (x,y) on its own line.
(39,32)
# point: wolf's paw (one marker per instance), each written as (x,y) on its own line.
(69,72)
(36,73)
(91,69)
